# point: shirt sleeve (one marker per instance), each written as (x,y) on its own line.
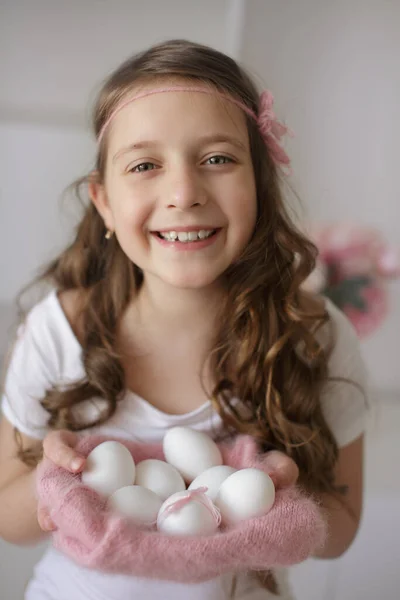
(30,373)
(345,401)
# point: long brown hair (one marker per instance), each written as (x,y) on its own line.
(265,352)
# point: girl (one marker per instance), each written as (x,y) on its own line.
(180,302)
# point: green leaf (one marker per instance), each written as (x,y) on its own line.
(349,292)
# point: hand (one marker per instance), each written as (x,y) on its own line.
(243,451)
(58,446)
(281,468)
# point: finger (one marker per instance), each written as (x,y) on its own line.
(281,468)
(58,446)
(44,520)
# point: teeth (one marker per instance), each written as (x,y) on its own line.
(186,236)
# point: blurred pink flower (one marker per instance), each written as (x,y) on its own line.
(367,322)
(353,267)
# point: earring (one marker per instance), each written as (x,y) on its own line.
(108,234)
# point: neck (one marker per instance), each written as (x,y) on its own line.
(168,307)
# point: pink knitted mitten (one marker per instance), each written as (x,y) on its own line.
(95,537)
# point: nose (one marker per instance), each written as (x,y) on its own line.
(185,189)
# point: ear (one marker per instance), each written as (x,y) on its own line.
(98,195)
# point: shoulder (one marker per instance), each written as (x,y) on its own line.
(52,317)
(72,303)
(45,353)
(346,352)
(47,334)
(344,398)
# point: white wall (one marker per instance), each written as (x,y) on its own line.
(333,69)
(55,55)
(369,569)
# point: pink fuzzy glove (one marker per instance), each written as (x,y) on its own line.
(93,536)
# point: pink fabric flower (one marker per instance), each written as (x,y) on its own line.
(272,130)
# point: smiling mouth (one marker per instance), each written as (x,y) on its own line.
(186,236)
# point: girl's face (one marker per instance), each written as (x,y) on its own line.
(179,189)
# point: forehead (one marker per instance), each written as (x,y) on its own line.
(176,116)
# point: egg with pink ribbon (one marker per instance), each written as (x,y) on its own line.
(190,512)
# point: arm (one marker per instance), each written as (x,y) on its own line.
(33,368)
(343,522)
(18,504)
(20,522)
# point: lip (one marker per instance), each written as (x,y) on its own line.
(178,246)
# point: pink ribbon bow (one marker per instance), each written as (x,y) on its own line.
(272,130)
(200,495)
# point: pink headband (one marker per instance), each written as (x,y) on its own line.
(270,128)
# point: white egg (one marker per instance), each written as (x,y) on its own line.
(194,518)
(190,451)
(212,479)
(139,505)
(160,477)
(108,467)
(246,494)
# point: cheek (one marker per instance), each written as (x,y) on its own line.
(131,217)
(130,210)
(131,231)
(245,210)
(252,209)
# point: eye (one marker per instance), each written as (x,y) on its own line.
(143,167)
(219,160)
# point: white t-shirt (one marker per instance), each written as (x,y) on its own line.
(47,352)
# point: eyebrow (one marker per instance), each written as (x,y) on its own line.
(203,141)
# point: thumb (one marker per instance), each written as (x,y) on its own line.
(44,519)
(59,447)
(281,468)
